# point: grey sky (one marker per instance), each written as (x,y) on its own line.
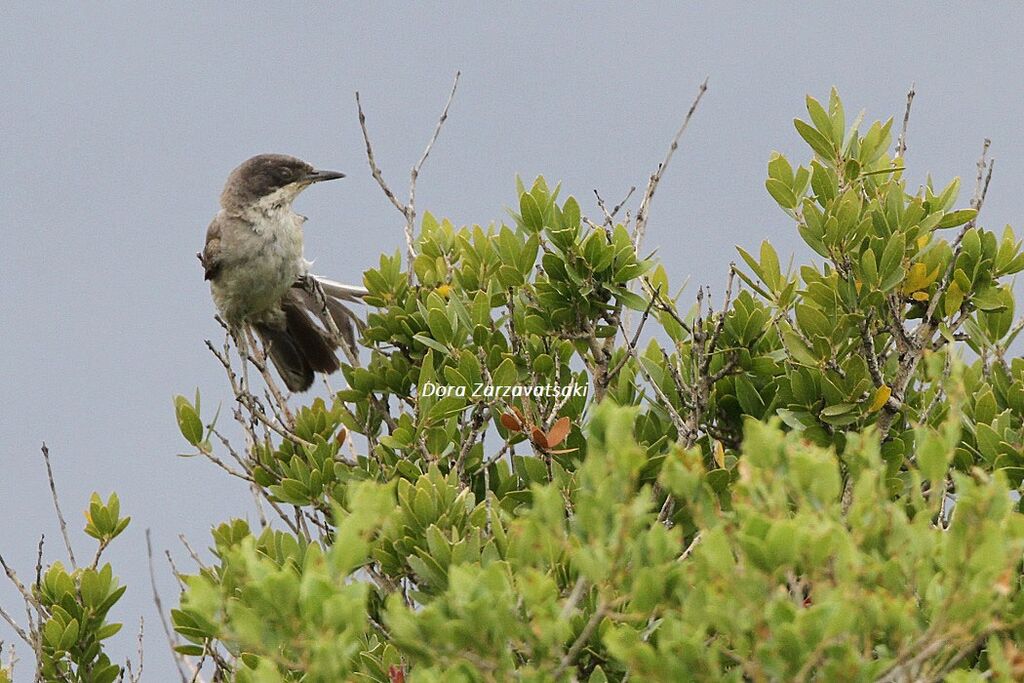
(120,123)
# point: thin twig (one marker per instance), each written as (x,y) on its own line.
(25,594)
(250,402)
(192,553)
(408,211)
(13,624)
(171,640)
(39,561)
(574,597)
(652,184)
(609,216)
(689,548)
(374,169)
(979,190)
(136,676)
(901,145)
(415,173)
(912,347)
(720,323)
(581,640)
(56,505)
(259,359)
(636,337)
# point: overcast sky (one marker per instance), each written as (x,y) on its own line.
(120,123)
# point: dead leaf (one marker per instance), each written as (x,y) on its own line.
(558,431)
(511,422)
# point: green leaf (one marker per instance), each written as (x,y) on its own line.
(812,321)
(820,118)
(781,193)
(630,299)
(933,457)
(571,214)
(892,256)
(533,219)
(821,145)
(189,424)
(838,409)
(770,265)
(797,348)
(432,343)
(955,218)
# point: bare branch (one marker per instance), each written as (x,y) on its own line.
(978,198)
(652,185)
(136,676)
(408,211)
(259,359)
(39,560)
(720,323)
(581,640)
(172,641)
(32,634)
(636,336)
(192,553)
(901,144)
(609,216)
(245,398)
(374,169)
(689,548)
(574,597)
(14,625)
(415,173)
(922,336)
(56,505)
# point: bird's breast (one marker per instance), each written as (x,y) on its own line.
(263,261)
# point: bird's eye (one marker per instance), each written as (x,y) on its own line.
(286,173)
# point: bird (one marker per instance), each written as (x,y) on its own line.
(259,277)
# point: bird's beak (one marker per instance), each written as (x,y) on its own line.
(319,176)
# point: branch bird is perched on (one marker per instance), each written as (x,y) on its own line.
(259,277)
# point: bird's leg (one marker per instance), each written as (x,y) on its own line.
(242,343)
(312,286)
(259,359)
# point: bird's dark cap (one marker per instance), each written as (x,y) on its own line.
(266,173)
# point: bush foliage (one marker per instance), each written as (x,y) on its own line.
(813,478)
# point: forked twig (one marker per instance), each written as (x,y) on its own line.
(408,210)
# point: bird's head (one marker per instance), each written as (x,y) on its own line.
(270,179)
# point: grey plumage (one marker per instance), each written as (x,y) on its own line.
(254,262)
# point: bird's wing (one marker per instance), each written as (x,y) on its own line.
(211,254)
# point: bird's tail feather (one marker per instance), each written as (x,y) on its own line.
(347,322)
(340,291)
(301,347)
(287,356)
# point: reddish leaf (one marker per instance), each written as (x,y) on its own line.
(539,438)
(511,422)
(341,436)
(396,674)
(558,431)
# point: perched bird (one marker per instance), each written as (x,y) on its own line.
(258,276)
